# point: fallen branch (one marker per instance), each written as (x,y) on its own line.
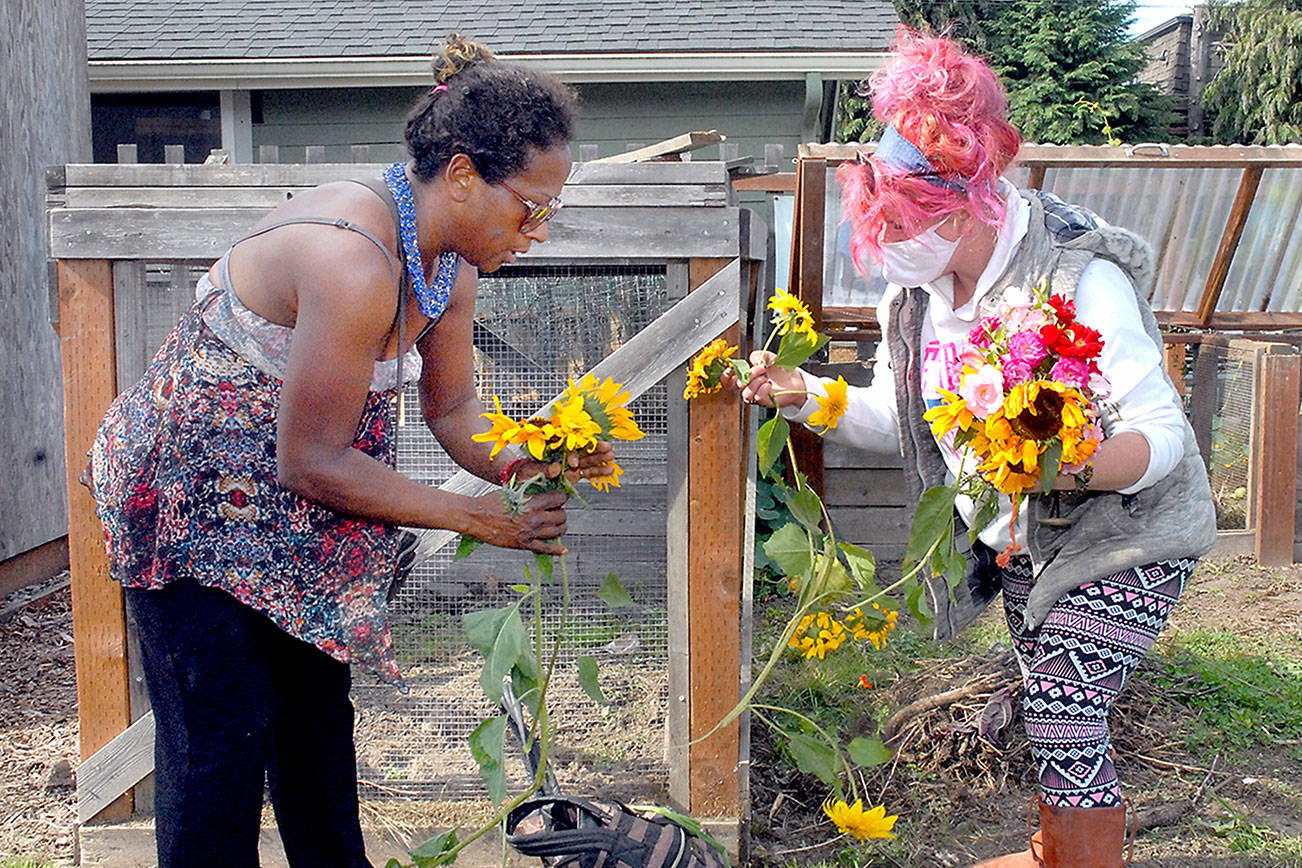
(892,724)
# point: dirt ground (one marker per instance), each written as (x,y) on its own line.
(962,798)
(966,798)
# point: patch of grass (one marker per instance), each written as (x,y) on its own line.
(1244,836)
(1247,692)
(25,863)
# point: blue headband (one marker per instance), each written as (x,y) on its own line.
(898,152)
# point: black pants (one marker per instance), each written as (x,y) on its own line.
(238,702)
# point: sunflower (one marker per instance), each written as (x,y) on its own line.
(952,412)
(705,370)
(833,407)
(604,483)
(790,314)
(605,403)
(855,821)
(574,428)
(536,435)
(502,431)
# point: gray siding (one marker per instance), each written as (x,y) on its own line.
(750,114)
(44,120)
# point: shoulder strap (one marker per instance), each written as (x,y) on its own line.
(340,222)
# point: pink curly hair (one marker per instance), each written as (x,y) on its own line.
(950,105)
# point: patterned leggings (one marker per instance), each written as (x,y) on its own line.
(1075,664)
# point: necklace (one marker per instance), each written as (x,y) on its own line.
(431,297)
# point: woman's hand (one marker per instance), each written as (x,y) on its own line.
(768,386)
(578,467)
(537,527)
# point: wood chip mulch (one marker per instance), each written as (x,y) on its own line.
(38,731)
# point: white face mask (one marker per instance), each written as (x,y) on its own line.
(918,260)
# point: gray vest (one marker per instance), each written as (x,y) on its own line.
(1106,532)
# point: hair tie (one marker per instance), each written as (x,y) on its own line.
(437,90)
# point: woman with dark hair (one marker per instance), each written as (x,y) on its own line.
(246,483)
(1121,535)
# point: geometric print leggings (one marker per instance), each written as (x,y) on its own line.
(1076,663)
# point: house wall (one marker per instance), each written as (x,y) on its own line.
(44,120)
(750,114)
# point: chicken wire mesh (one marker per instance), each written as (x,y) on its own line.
(536,327)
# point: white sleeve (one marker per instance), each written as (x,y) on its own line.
(871,419)
(1134,366)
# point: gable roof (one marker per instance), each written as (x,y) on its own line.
(197,30)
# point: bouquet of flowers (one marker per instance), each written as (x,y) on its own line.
(1022,402)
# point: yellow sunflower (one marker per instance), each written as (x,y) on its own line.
(833,407)
(855,821)
(502,430)
(790,314)
(535,435)
(705,370)
(604,483)
(952,412)
(573,426)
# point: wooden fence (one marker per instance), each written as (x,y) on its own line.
(105,220)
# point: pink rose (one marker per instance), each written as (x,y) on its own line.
(983,390)
(1027,347)
(1015,372)
(1071,372)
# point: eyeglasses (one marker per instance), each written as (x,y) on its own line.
(538,214)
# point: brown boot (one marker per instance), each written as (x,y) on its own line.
(1084,837)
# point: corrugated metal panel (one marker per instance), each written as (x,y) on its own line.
(1181,212)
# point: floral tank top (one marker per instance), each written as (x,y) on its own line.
(184,478)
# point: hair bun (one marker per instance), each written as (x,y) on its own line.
(458,54)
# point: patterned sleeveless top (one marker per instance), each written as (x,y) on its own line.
(185,483)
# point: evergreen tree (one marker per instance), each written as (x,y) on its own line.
(1068,66)
(1256,98)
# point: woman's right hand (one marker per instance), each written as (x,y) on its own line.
(538,526)
(768,386)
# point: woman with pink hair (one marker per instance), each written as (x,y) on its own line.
(1098,582)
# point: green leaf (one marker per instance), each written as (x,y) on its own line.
(524,684)
(500,636)
(917,601)
(796,347)
(815,757)
(691,825)
(789,549)
(612,593)
(588,680)
(544,563)
(955,570)
(807,508)
(1050,461)
(863,566)
(486,745)
(868,752)
(434,851)
(466,545)
(932,521)
(772,439)
(987,511)
(521,589)
(741,368)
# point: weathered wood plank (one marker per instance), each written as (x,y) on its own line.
(115,768)
(677,532)
(855,486)
(577,233)
(680,144)
(311,174)
(266,198)
(807,278)
(1275,454)
(98,614)
(871,527)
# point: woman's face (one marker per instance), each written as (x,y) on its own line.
(499,237)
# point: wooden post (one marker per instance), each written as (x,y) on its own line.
(99,619)
(715,503)
(1229,242)
(807,278)
(1174,355)
(1274,454)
